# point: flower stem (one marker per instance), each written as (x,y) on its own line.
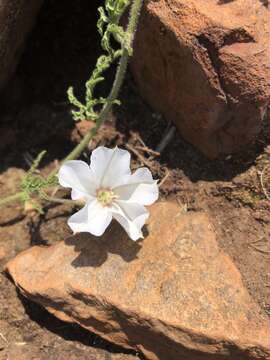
(76,152)
(118,82)
(119,78)
(63,201)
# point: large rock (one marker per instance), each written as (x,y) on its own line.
(16,20)
(173,296)
(205,65)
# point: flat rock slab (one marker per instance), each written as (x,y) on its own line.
(173,296)
(204,64)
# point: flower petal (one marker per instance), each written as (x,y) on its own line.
(92,218)
(131,216)
(138,188)
(77,175)
(110,165)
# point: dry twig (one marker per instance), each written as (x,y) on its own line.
(139,156)
(267,252)
(165,178)
(148,150)
(252,245)
(262,182)
(143,146)
(3,337)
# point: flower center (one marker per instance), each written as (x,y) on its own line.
(105,196)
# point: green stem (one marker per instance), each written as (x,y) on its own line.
(63,201)
(120,74)
(119,78)
(11,198)
(76,152)
(134,18)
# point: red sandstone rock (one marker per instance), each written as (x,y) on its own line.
(173,296)
(205,64)
(16,20)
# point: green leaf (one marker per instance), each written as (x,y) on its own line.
(108,27)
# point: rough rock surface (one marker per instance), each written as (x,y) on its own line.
(16,20)
(205,65)
(175,295)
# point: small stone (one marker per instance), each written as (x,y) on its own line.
(175,295)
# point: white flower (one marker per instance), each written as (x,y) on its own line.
(109,191)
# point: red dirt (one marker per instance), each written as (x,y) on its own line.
(59,53)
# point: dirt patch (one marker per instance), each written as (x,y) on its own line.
(60,52)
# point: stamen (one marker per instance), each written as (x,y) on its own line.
(105,196)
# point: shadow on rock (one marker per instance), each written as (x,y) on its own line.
(93,251)
(70,332)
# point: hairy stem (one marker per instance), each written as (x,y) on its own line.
(119,78)
(134,18)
